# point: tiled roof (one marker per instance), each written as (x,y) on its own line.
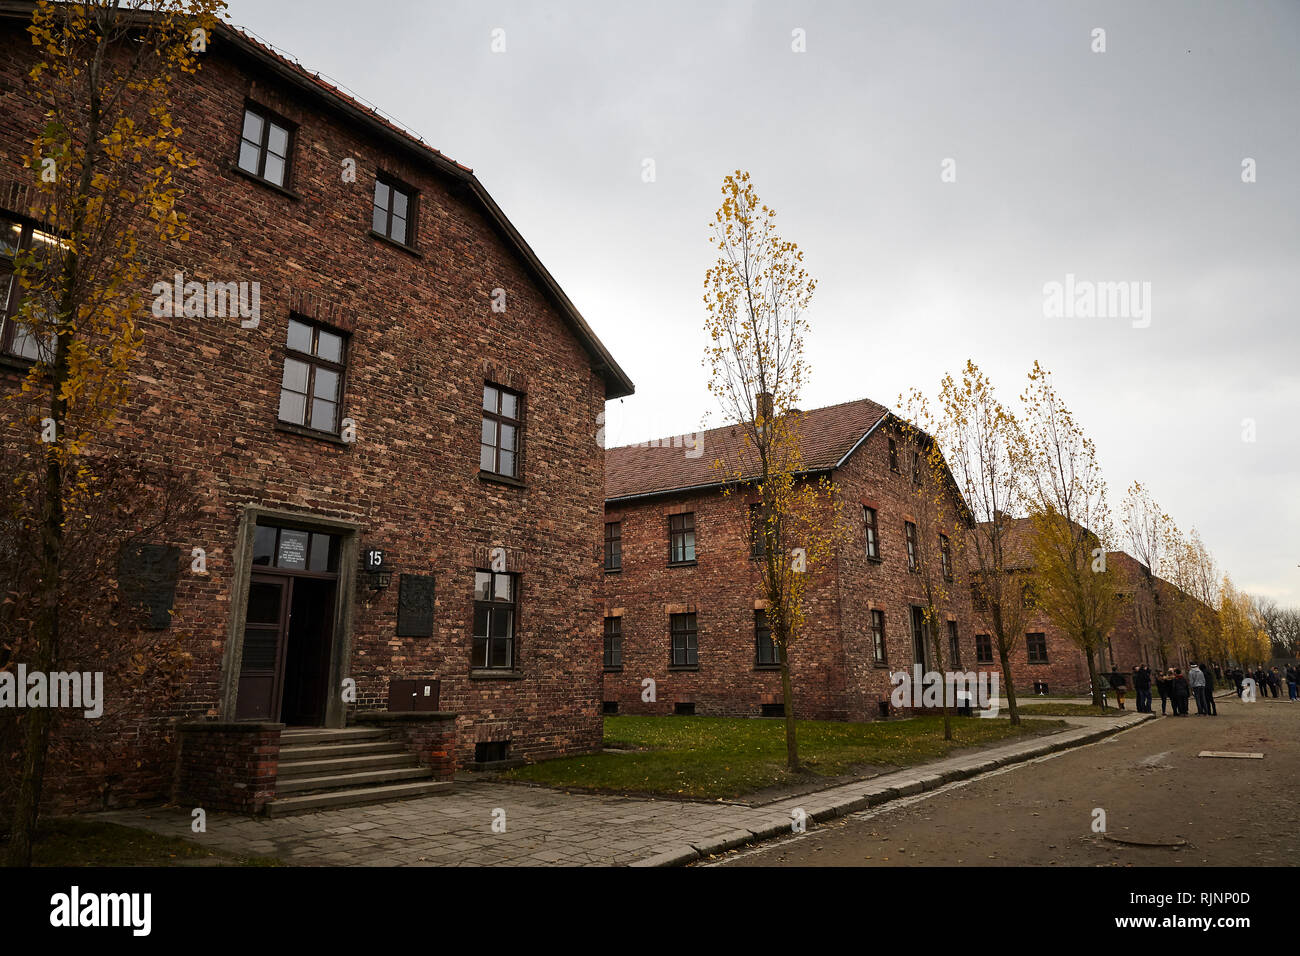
(671,464)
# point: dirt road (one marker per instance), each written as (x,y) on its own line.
(1149,781)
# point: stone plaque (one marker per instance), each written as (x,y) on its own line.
(147,576)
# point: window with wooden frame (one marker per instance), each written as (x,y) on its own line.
(503,427)
(954,645)
(979,600)
(17,340)
(878,652)
(265,145)
(893,457)
(916,467)
(872,533)
(311,388)
(945,556)
(685,640)
(1036,648)
(613,643)
(496,609)
(983,649)
(613,545)
(757,539)
(1028,595)
(681,538)
(765,652)
(913,555)
(393,216)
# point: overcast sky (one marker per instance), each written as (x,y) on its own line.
(1117,166)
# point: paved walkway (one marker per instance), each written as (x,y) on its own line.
(550,828)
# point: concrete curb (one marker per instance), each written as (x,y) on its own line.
(826,805)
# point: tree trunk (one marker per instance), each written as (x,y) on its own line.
(1012,714)
(787,695)
(1095,682)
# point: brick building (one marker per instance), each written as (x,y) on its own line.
(1046,656)
(680,581)
(471,478)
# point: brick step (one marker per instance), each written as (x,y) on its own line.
(322,735)
(314,751)
(284,806)
(324,765)
(343,781)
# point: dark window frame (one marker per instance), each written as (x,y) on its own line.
(612,654)
(764,646)
(1036,647)
(269,118)
(690,650)
(499,418)
(614,546)
(983,641)
(954,645)
(674,533)
(491,606)
(879,646)
(945,557)
(871,523)
(13,299)
(913,547)
(757,540)
(313,363)
(412,195)
(893,457)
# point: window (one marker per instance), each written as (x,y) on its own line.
(394,205)
(945,556)
(765,654)
(873,533)
(312,385)
(16,339)
(613,545)
(295,550)
(264,147)
(495,605)
(983,649)
(681,538)
(893,457)
(1037,648)
(502,431)
(1028,596)
(757,540)
(978,599)
(913,558)
(685,643)
(916,467)
(609,707)
(954,646)
(878,637)
(613,643)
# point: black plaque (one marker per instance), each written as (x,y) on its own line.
(415,605)
(147,576)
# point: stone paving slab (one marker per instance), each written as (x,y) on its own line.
(553,828)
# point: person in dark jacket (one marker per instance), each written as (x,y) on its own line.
(1117,683)
(1163,685)
(1275,683)
(1142,685)
(1237,678)
(1181,691)
(1292,682)
(1209,690)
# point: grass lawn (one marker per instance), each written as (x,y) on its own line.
(723,757)
(1062,709)
(75,842)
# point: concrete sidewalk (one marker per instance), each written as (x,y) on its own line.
(546,827)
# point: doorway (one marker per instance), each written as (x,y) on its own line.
(288,627)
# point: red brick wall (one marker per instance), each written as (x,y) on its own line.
(832,665)
(423,340)
(227,766)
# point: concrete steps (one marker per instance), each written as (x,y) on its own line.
(324,769)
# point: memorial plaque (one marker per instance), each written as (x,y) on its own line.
(147,576)
(293,550)
(415,605)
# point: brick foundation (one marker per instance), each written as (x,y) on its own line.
(227,766)
(430,736)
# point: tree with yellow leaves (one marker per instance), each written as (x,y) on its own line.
(103,167)
(989,461)
(1072,524)
(755,295)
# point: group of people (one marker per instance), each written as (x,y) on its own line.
(1176,689)
(1270,681)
